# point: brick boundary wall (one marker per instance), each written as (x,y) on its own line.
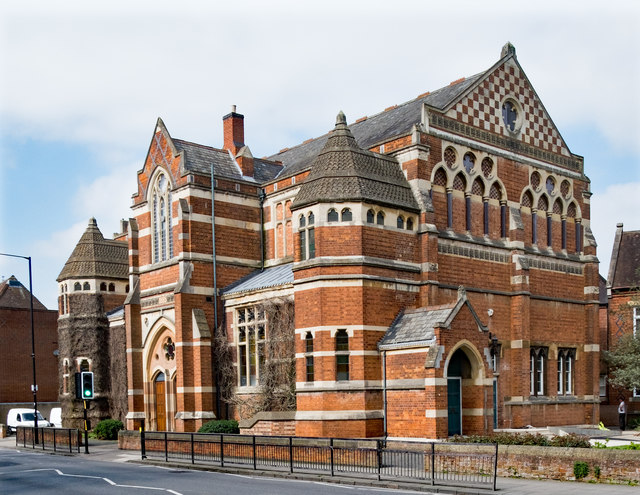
(616,466)
(519,461)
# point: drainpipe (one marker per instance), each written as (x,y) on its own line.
(384,392)
(215,284)
(261,196)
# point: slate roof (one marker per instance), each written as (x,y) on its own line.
(343,171)
(14,295)
(198,159)
(97,257)
(377,128)
(262,279)
(624,269)
(415,326)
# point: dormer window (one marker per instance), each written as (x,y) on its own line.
(161,220)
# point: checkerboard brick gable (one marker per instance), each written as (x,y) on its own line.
(440,202)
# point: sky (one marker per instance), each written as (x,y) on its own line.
(82,84)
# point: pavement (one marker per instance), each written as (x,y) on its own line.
(107,451)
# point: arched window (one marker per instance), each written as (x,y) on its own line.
(309,357)
(380,218)
(306,234)
(86,286)
(400,223)
(346,214)
(112,287)
(332,215)
(565,363)
(527,200)
(440,178)
(77,286)
(342,355)
(161,217)
(409,223)
(103,286)
(370,216)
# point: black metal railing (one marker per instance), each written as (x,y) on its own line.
(56,439)
(422,462)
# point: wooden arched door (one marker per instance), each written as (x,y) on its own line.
(161,402)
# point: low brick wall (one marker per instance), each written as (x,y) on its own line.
(129,440)
(270,424)
(617,466)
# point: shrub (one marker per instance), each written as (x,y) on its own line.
(536,439)
(220,426)
(570,440)
(108,429)
(596,471)
(580,469)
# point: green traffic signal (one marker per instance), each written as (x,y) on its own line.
(86,381)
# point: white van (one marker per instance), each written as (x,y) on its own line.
(56,417)
(24,417)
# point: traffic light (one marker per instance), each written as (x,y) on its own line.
(84,385)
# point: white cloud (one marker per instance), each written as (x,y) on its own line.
(617,203)
(102,75)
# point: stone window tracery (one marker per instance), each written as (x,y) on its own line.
(487,167)
(469,161)
(565,364)
(440,178)
(346,215)
(169,348)
(450,156)
(332,215)
(251,333)
(161,219)
(537,370)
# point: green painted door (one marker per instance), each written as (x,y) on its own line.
(454,406)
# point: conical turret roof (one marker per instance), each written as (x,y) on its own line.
(94,257)
(345,172)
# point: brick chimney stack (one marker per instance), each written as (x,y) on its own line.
(233,124)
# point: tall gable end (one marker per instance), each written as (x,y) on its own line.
(503,109)
(162,153)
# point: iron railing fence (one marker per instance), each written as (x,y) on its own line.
(56,439)
(422,462)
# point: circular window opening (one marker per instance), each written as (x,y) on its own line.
(535,180)
(469,161)
(511,115)
(551,185)
(450,157)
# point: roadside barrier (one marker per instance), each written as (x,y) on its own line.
(420,462)
(56,439)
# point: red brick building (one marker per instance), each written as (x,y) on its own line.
(623,316)
(437,257)
(16,366)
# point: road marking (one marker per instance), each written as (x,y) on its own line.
(107,480)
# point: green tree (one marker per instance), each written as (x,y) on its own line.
(624,362)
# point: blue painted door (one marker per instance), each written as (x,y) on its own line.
(454,406)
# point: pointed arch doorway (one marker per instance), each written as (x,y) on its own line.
(459,369)
(160,401)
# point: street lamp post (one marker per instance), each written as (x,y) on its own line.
(34,386)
